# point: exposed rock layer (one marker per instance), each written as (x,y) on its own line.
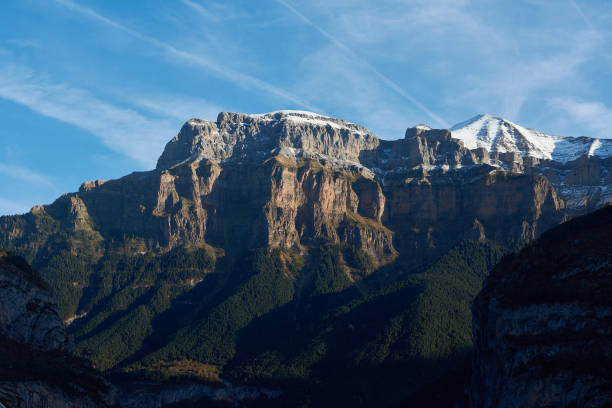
(37,369)
(294,180)
(291,179)
(543,322)
(28,310)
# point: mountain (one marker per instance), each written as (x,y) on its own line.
(543,321)
(36,367)
(576,166)
(498,135)
(296,252)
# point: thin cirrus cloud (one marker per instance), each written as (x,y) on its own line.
(124,130)
(224,72)
(507,88)
(475,57)
(11,207)
(23,43)
(28,176)
(179,107)
(580,13)
(201,10)
(594,116)
(331,76)
(379,75)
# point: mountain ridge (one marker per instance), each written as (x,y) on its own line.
(497,134)
(289,221)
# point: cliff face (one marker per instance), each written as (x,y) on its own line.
(294,180)
(31,394)
(299,178)
(28,310)
(146,267)
(238,136)
(543,322)
(36,367)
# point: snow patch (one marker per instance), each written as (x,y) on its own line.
(500,135)
(312,118)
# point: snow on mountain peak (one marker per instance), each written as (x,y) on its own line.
(500,135)
(311,118)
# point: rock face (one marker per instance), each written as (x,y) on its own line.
(28,310)
(31,394)
(576,166)
(238,136)
(146,394)
(543,322)
(326,200)
(35,348)
(293,179)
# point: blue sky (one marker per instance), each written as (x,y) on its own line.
(92,89)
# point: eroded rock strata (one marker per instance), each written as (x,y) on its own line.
(284,215)
(36,367)
(298,177)
(543,322)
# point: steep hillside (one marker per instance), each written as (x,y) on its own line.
(36,367)
(258,239)
(543,322)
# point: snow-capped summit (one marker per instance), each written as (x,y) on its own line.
(301,117)
(500,135)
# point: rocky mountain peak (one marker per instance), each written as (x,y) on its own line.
(237,136)
(499,135)
(428,133)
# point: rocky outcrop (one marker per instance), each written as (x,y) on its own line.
(147,394)
(432,210)
(236,136)
(289,180)
(36,367)
(543,322)
(34,394)
(293,179)
(28,310)
(576,166)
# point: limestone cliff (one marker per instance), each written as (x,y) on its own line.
(36,368)
(142,262)
(293,179)
(543,322)
(28,310)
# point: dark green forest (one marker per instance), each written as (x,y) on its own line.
(284,320)
(326,325)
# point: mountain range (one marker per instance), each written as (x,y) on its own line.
(300,253)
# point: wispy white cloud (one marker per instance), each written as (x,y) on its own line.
(379,75)
(580,13)
(23,43)
(123,130)
(175,106)
(204,12)
(201,10)
(593,116)
(471,56)
(26,175)
(203,61)
(216,11)
(506,89)
(330,76)
(9,207)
